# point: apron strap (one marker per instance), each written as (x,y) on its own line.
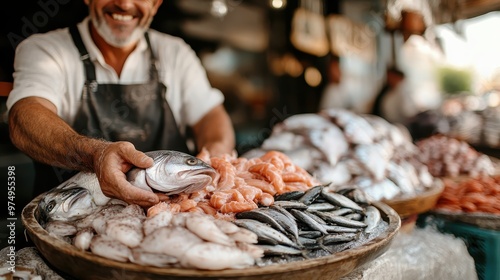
(153,71)
(84,54)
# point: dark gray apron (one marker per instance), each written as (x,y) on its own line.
(137,113)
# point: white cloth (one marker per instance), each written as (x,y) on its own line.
(49,66)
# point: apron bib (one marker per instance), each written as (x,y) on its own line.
(137,113)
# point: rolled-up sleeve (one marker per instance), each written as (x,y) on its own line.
(37,72)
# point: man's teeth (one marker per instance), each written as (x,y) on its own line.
(122,17)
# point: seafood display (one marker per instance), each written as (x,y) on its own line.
(449,157)
(318,222)
(341,148)
(242,213)
(471,195)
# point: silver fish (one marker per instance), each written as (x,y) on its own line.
(311,194)
(66,204)
(311,222)
(265,232)
(172,173)
(372,218)
(279,250)
(340,200)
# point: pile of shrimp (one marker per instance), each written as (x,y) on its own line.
(471,195)
(241,185)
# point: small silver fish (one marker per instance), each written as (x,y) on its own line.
(172,173)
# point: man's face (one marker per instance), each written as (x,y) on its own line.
(122,22)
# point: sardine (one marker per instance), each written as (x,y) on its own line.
(310,196)
(288,223)
(321,207)
(265,233)
(290,204)
(293,195)
(261,216)
(310,233)
(336,238)
(279,250)
(340,200)
(372,218)
(306,219)
(340,229)
(340,220)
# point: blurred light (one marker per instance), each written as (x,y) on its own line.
(278,4)
(494,99)
(473,103)
(292,66)
(219,8)
(312,76)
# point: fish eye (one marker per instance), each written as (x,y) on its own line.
(50,205)
(192,161)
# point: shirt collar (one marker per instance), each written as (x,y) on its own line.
(94,52)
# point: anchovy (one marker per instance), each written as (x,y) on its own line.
(340,212)
(310,196)
(310,233)
(372,218)
(309,243)
(313,224)
(288,222)
(340,229)
(322,207)
(293,195)
(336,238)
(314,217)
(290,204)
(261,216)
(265,232)
(340,200)
(279,250)
(354,216)
(339,220)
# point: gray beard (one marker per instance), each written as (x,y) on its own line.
(108,36)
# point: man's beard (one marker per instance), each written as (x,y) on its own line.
(107,34)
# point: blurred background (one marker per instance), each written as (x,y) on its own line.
(433,66)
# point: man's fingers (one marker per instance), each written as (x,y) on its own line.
(134,195)
(136,157)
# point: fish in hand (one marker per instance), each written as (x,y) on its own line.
(172,173)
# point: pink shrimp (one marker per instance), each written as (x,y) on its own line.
(158,208)
(207,208)
(187,205)
(219,198)
(250,193)
(266,199)
(227,173)
(271,174)
(287,162)
(261,184)
(238,206)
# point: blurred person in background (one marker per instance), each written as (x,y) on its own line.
(95,96)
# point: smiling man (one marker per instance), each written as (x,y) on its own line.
(95,96)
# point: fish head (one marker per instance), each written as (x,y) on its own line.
(67,203)
(175,172)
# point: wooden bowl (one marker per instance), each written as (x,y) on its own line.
(85,265)
(421,203)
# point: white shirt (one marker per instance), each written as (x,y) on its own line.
(49,66)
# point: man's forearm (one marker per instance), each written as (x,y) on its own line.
(36,130)
(215,132)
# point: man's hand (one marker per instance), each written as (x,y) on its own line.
(110,165)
